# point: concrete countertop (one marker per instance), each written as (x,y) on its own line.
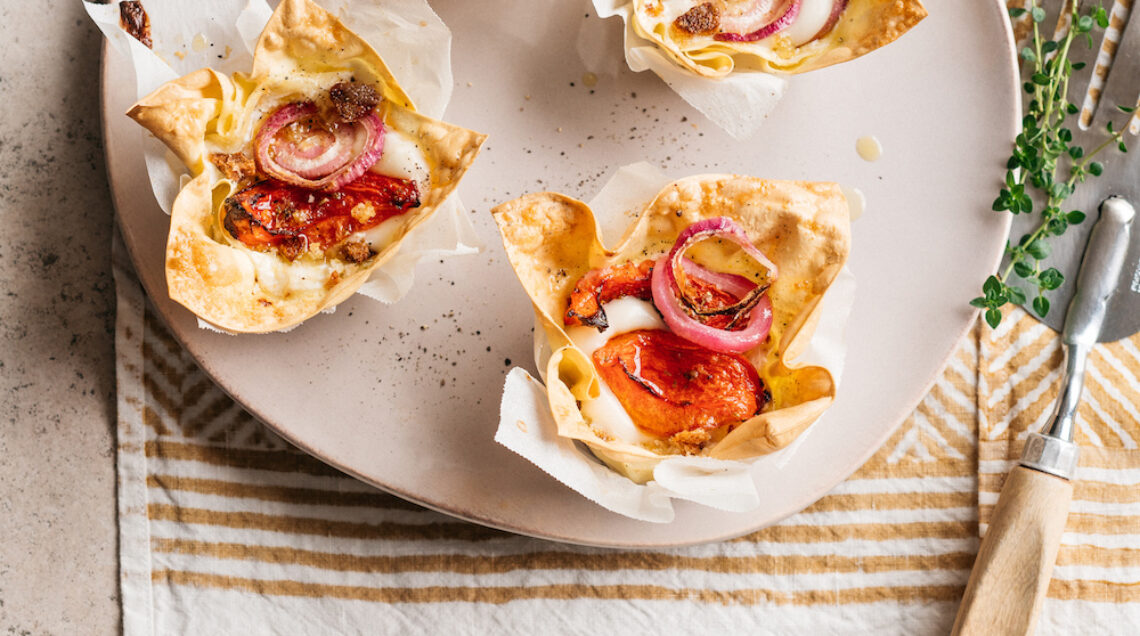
(58,557)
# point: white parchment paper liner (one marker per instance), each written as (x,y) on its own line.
(739,103)
(222,34)
(527,427)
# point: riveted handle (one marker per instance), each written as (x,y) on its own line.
(1015,563)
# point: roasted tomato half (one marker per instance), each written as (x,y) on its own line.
(603,285)
(669,385)
(272,214)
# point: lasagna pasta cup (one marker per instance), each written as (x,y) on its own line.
(713,38)
(308,172)
(682,339)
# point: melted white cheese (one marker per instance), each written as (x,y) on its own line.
(403,158)
(813,15)
(605,412)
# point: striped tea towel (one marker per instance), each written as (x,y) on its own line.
(226,529)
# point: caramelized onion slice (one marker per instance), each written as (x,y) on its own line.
(326,158)
(763,19)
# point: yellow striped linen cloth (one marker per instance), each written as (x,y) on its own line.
(226,529)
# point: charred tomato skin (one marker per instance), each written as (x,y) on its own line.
(271,214)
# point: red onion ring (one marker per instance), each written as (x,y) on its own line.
(313,159)
(332,166)
(759,322)
(837,8)
(666,291)
(772,27)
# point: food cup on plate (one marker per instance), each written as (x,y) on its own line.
(715,38)
(681,341)
(307,173)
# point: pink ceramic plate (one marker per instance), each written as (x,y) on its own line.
(406,397)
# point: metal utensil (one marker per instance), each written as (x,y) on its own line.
(1116,81)
(1015,563)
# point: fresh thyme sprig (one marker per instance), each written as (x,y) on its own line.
(1042,151)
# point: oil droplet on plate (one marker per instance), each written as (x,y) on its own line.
(856,202)
(199,43)
(869,148)
(589,80)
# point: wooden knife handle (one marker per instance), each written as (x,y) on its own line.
(1015,563)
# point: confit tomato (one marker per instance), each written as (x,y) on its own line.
(669,385)
(272,214)
(603,285)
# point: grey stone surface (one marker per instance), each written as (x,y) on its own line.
(58,561)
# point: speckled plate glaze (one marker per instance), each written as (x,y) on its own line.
(406,396)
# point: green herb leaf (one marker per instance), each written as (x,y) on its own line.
(1041,305)
(1050,279)
(993,317)
(1038,249)
(992,287)
(1075,217)
(1096,168)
